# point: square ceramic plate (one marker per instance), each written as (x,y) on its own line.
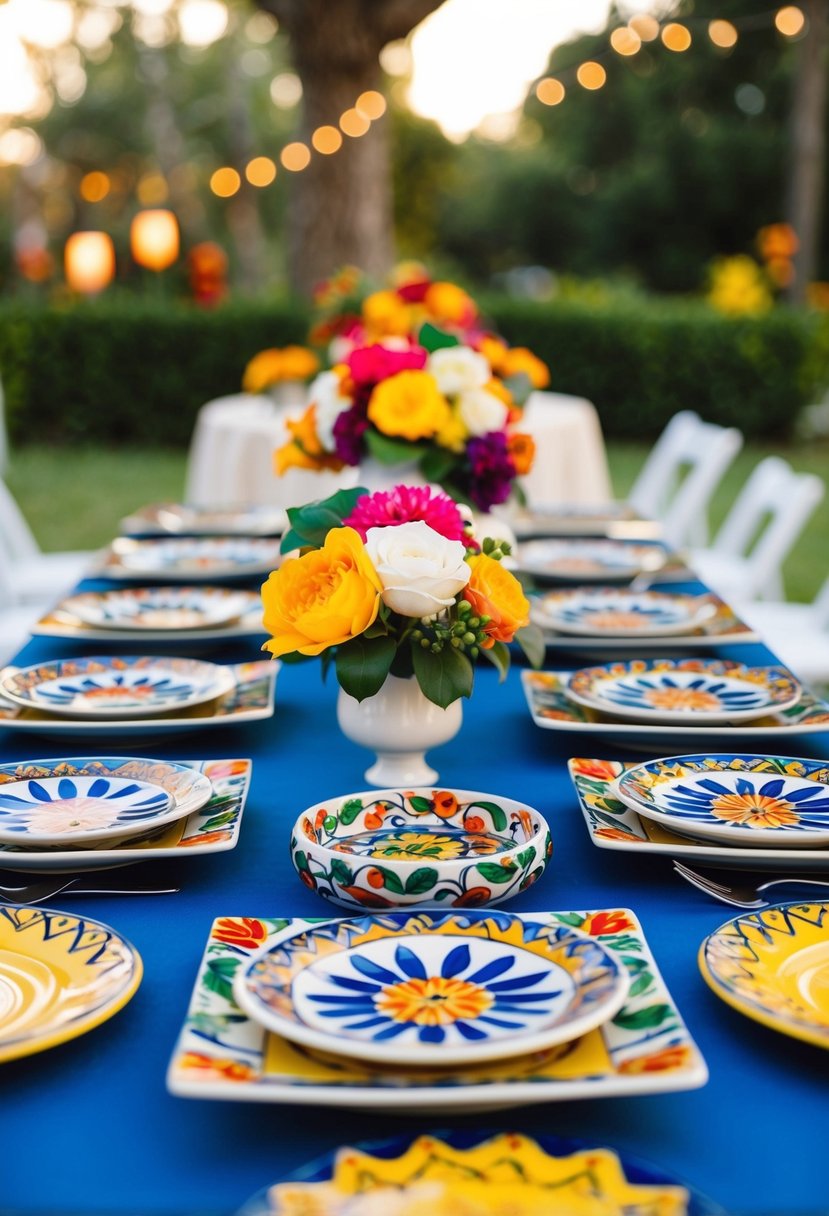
(182,559)
(222,1054)
(213,828)
(552,709)
(62,624)
(250,699)
(613,825)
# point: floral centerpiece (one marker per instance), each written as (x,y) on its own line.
(393,588)
(276,366)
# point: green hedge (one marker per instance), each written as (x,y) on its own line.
(137,371)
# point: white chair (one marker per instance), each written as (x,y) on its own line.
(680,475)
(797,633)
(15,621)
(32,576)
(746,559)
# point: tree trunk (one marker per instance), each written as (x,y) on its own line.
(808,139)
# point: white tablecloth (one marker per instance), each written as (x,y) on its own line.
(231,455)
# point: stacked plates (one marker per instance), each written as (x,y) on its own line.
(176,518)
(573,560)
(157,614)
(186,559)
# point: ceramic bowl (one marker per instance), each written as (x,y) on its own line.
(420,848)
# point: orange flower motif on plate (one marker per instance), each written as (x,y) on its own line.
(755,810)
(435,1001)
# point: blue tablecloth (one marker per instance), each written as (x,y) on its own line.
(88,1126)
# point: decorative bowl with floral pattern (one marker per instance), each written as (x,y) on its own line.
(420,848)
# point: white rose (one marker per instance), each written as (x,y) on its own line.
(457,368)
(326,396)
(421,571)
(482,411)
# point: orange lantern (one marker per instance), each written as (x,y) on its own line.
(154,239)
(89,261)
(207,267)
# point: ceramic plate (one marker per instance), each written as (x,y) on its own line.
(552,709)
(614,825)
(210,826)
(773,966)
(473,1171)
(59,623)
(609,613)
(584,561)
(432,988)
(158,609)
(747,800)
(184,559)
(113,796)
(60,975)
(661,691)
(172,518)
(722,628)
(249,700)
(122,686)
(223,1054)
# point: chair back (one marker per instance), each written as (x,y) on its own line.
(765,521)
(17,541)
(702,451)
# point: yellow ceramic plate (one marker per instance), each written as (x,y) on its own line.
(60,975)
(773,966)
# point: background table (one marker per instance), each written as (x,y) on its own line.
(89,1127)
(231,454)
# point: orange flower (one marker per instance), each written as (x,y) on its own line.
(606,922)
(205,838)
(473,898)
(520,359)
(500,390)
(666,1060)
(604,770)
(298,363)
(521,448)
(495,592)
(615,834)
(368,898)
(494,350)
(240,931)
(386,315)
(304,450)
(449,304)
(444,804)
(263,370)
(210,1069)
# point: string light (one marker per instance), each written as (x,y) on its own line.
(790,20)
(550,92)
(722,34)
(371,104)
(260,171)
(353,123)
(94,187)
(645,27)
(225,182)
(625,41)
(326,140)
(591,75)
(295,157)
(676,37)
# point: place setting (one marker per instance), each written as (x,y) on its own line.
(183,519)
(190,558)
(586,560)
(593,521)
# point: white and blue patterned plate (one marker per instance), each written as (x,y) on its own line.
(150,609)
(125,686)
(777,801)
(174,518)
(69,810)
(432,988)
(614,612)
(184,559)
(661,691)
(571,560)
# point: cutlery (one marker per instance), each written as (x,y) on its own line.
(37,892)
(744,893)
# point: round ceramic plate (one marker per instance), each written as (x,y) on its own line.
(471,1169)
(38,807)
(60,975)
(434,988)
(608,612)
(698,692)
(228,521)
(185,558)
(153,608)
(765,801)
(126,686)
(584,561)
(773,966)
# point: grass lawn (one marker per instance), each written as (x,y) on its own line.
(74,497)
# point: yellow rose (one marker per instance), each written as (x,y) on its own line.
(298,363)
(453,434)
(386,315)
(323,598)
(449,304)
(494,592)
(263,370)
(409,405)
(519,359)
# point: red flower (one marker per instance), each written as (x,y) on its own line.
(606,922)
(604,770)
(308,878)
(240,931)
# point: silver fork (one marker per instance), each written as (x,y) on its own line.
(37,892)
(743,894)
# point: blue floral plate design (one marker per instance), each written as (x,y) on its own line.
(667,692)
(143,609)
(432,989)
(572,560)
(616,612)
(742,799)
(186,559)
(122,686)
(61,810)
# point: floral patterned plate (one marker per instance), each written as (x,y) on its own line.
(586,561)
(619,613)
(425,848)
(747,800)
(665,692)
(438,988)
(60,975)
(172,518)
(154,609)
(223,1054)
(773,966)
(612,824)
(183,559)
(78,799)
(474,1171)
(210,826)
(61,623)
(115,686)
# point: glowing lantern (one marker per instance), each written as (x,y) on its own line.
(89,262)
(154,239)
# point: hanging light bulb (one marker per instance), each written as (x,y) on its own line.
(89,262)
(154,239)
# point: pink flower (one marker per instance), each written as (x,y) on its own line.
(406,504)
(371,364)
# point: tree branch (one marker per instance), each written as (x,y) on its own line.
(393,19)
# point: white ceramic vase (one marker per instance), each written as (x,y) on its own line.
(400,725)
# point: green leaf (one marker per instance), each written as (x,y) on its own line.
(431,338)
(443,894)
(350,810)
(390,881)
(437,463)
(392,451)
(443,677)
(498,655)
(218,821)
(420,804)
(498,814)
(496,873)
(531,641)
(301,860)
(526,857)
(218,976)
(363,664)
(641,984)
(570,918)
(341,873)
(311,523)
(520,385)
(326,659)
(421,880)
(643,1019)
